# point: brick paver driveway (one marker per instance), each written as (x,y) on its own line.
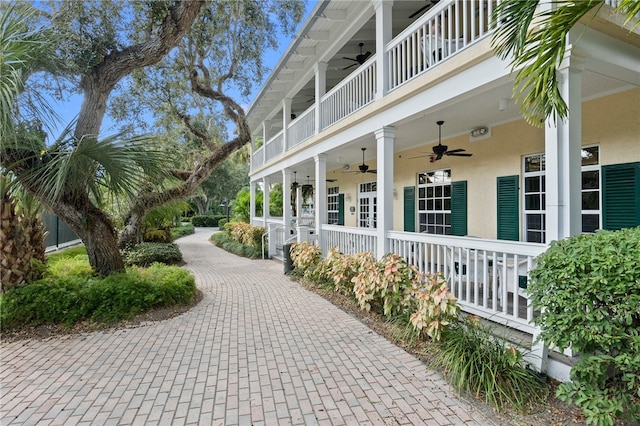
(258,349)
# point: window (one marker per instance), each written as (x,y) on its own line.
(434,202)
(333,205)
(367,205)
(534,198)
(590,189)
(534,194)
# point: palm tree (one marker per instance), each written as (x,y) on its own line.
(537,51)
(72,177)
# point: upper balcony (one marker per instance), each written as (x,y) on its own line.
(333,70)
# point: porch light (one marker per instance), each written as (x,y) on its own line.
(479,131)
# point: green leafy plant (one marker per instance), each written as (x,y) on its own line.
(181,231)
(206,221)
(306,258)
(474,360)
(588,290)
(435,306)
(240,238)
(70,293)
(145,254)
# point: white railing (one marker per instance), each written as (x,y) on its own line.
(488,277)
(348,240)
(257,158)
(275,146)
(275,232)
(356,91)
(302,128)
(447,28)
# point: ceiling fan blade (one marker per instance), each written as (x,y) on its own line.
(350,59)
(456,150)
(421,156)
(350,66)
(458,154)
(332,180)
(372,171)
(419,11)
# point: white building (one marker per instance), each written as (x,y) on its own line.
(362,88)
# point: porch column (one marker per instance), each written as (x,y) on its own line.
(298,204)
(286,201)
(286,119)
(252,201)
(320,70)
(563,140)
(385,138)
(266,134)
(384,35)
(265,200)
(320,195)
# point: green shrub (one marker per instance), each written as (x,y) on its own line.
(181,231)
(588,290)
(185,219)
(475,361)
(65,297)
(206,221)
(157,235)
(245,233)
(225,242)
(222,222)
(144,254)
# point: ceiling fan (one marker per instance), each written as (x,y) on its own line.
(362,168)
(441,150)
(423,8)
(359,59)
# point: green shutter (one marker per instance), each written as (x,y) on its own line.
(340,209)
(508,214)
(459,208)
(620,196)
(410,209)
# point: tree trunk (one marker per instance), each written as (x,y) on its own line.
(96,231)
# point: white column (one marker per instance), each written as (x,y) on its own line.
(384,34)
(320,69)
(320,193)
(286,201)
(265,200)
(384,142)
(286,119)
(563,142)
(252,201)
(298,204)
(266,134)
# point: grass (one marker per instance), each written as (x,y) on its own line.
(70,293)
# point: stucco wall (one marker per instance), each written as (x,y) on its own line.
(612,122)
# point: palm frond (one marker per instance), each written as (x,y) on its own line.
(631,9)
(537,52)
(113,165)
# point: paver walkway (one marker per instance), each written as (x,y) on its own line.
(258,350)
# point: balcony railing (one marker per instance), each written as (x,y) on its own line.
(275,146)
(447,28)
(302,128)
(353,93)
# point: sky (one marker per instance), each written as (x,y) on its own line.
(71,107)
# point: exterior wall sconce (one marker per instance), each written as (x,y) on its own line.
(479,132)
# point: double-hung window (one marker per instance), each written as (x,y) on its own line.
(434,202)
(333,198)
(535,191)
